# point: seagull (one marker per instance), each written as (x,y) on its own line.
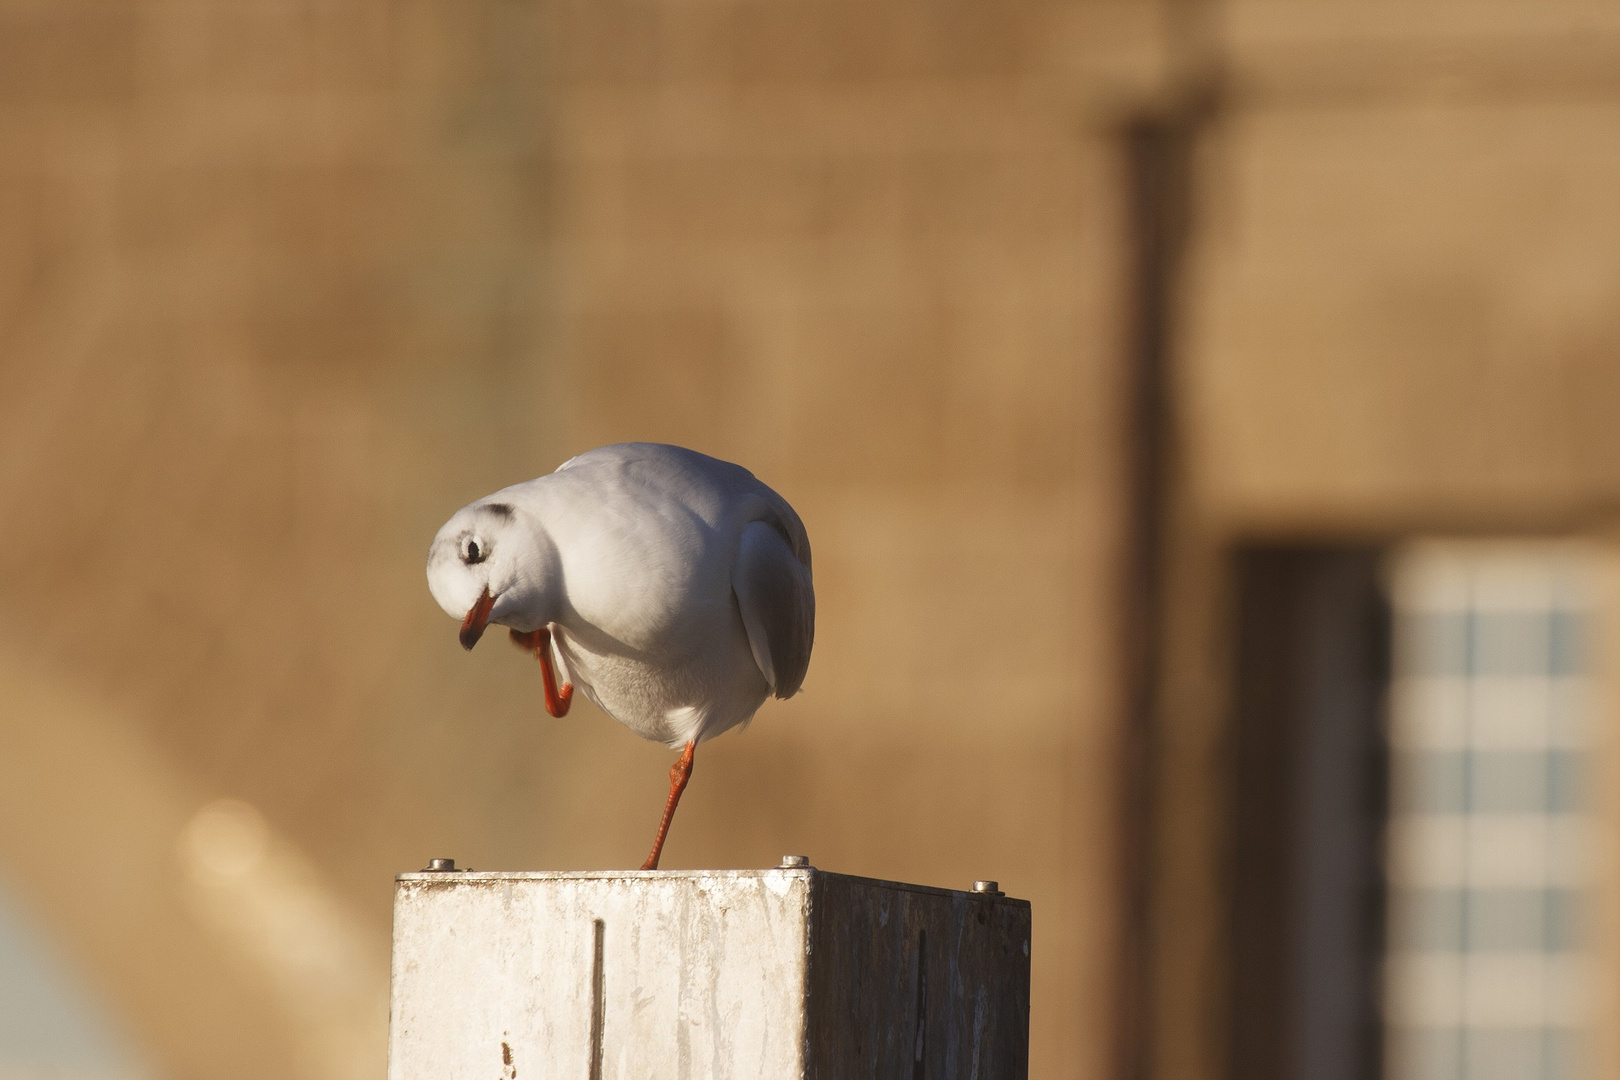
(672,587)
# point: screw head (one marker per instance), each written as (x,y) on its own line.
(439,866)
(987,887)
(795,862)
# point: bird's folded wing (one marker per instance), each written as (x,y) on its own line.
(778,604)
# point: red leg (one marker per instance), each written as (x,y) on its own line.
(679,774)
(539,642)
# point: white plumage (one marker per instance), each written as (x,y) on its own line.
(674,588)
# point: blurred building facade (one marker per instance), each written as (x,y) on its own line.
(1036,312)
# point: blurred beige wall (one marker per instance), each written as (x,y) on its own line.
(282,285)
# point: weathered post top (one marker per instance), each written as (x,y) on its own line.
(787,973)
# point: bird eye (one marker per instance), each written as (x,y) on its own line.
(472,553)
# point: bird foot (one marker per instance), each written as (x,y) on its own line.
(558,698)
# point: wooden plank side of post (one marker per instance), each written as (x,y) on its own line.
(912,982)
(789,973)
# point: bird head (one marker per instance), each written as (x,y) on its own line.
(489,564)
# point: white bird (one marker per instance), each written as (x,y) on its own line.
(672,587)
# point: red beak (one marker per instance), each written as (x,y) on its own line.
(472,627)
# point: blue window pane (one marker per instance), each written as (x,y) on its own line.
(1426,920)
(1427,1053)
(1434,643)
(1505,1054)
(1487,782)
(1565,929)
(1568,643)
(1565,782)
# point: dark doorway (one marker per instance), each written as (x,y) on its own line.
(1308,777)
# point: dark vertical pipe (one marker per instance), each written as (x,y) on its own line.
(1156,155)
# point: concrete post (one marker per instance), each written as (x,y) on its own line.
(785,973)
